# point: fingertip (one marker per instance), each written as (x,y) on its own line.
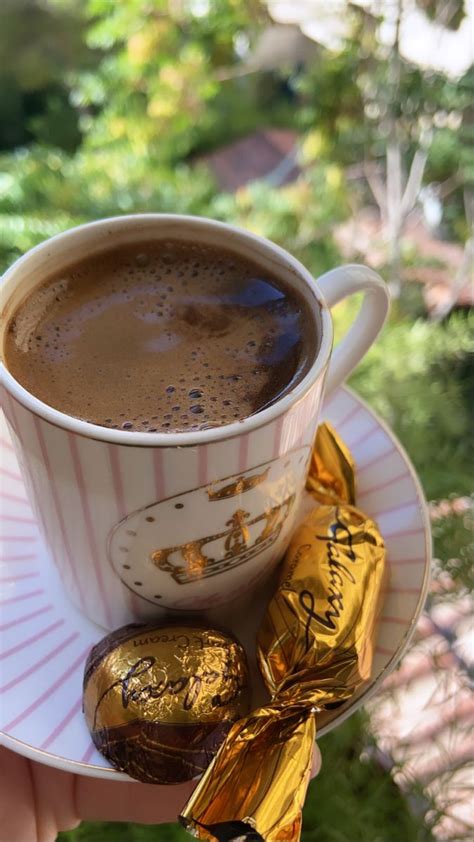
(317,760)
(131,802)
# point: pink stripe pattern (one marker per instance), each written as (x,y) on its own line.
(62,724)
(375,459)
(11,474)
(370,432)
(350,415)
(88,523)
(117,481)
(405,532)
(385,484)
(7,444)
(397,561)
(19,538)
(382,650)
(21,597)
(159,473)
(32,479)
(402,621)
(30,640)
(202,464)
(17,557)
(18,519)
(26,617)
(398,508)
(243,453)
(88,753)
(13,498)
(41,663)
(277,436)
(57,506)
(5,580)
(18,430)
(119,494)
(79,661)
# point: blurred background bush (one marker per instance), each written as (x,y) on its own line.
(329,128)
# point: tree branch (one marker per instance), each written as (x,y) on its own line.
(378,189)
(461,279)
(413,184)
(394,186)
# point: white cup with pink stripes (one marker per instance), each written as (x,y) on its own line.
(144,523)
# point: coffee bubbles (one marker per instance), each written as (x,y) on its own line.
(160,336)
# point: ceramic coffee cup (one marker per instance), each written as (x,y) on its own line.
(139,523)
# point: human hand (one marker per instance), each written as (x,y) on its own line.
(37,801)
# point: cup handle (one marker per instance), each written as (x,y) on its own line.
(338,284)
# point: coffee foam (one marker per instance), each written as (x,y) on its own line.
(160,336)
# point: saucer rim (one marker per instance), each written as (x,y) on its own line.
(350,706)
(345,711)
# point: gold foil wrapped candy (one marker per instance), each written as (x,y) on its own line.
(331,476)
(158,701)
(314,650)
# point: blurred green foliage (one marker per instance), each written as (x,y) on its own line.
(124,832)
(116,831)
(453,537)
(44,191)
(105,108)
(415,378)
(341,800)
(38,47)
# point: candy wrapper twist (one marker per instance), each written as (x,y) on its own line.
(314,649)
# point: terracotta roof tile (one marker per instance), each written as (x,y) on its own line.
(253,157)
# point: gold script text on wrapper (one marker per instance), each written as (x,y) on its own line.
(158,700)
(315,650)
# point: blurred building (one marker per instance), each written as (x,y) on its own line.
(268,154)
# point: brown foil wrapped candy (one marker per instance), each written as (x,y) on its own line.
(314,648)
(158,701)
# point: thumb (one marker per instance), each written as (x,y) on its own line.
(316,767)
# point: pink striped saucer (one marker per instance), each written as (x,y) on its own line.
(45,640)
